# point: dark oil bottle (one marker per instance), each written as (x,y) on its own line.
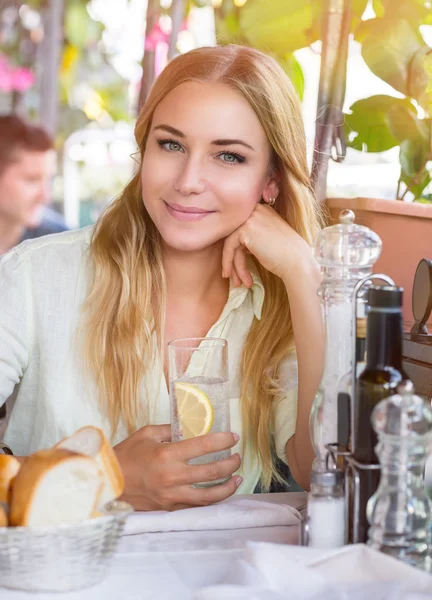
(380,378)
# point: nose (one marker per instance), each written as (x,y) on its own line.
(190,178)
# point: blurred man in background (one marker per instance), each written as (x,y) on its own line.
(26,166)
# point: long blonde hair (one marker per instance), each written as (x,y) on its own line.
(125,309)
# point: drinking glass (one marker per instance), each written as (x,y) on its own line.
(198,374)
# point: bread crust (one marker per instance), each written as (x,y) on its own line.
(3,517)
(112,466)
(9,467)
(31,473)
(106,456)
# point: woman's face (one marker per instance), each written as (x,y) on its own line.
(206,165)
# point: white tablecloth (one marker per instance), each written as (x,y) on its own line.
(229,565)
(173,565)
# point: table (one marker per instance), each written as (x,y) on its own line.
(170,566)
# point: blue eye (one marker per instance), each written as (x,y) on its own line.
(231,158)
(170,145)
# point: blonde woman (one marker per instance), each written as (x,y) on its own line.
(211,237)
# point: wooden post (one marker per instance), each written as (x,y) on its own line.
(177,15)
(148,61)
(329,136)
(51,53)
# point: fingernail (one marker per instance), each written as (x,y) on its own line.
(236,437)
(238,480)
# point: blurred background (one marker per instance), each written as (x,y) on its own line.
(82,68)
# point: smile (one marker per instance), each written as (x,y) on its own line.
(187,213)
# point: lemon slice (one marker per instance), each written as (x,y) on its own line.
(195,411)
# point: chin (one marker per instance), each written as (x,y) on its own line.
(187,242)
(34,219)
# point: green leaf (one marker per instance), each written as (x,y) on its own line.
(80,29)
(280,26)
(412,157)
(228,28)
(404,124)
(359,6)
(427,99)
(115,102)
(367,126)
(428,69)
(415,11)
(293,69)
(388,46)
(378,8)
(416,188)
(418,77)
(199,3)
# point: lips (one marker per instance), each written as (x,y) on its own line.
(187,213)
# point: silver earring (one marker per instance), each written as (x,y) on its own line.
(271,201)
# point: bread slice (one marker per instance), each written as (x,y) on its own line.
(92,441)
(3,517)
(9,467)
(53,487)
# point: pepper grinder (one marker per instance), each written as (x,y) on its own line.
(346,253)
(399,512)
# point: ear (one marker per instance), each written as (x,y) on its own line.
(271,189)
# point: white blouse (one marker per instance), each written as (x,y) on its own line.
(43,283)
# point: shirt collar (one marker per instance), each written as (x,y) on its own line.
(237,296)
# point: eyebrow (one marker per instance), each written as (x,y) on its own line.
(224,142)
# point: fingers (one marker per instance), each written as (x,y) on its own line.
(158,433)
(212,471)
(158,476)
(241,268)
(234,260)
(206,496)
(235,278)
(230,246)
(204,444)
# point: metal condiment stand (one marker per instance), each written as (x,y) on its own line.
(336,456)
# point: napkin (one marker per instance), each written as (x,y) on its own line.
(357,572)
(234,513)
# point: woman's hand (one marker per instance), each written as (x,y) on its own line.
(277,247)
(280,250)
(158,476)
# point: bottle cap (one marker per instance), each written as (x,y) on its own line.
(406,388)
(404,414)
(347,245)
(385,296)
(327,478)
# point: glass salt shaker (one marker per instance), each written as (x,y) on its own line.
(326,522)
(346,253)
(399,512)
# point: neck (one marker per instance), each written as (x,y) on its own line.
(194,276)
(384,339)
(10,235)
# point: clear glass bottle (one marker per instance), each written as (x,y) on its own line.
(399,512)
(346,253)
(345,406)
(326,510)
